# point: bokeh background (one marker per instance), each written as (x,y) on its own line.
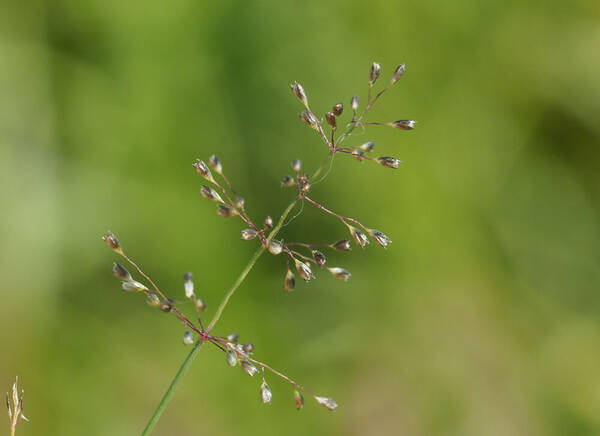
(482,318)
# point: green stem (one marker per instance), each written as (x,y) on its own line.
(171,390)
(190,357)
(236,285)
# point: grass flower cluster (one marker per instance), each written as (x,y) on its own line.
(300,258)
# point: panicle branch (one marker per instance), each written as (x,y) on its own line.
(236,354)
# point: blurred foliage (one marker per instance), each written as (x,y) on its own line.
(482,317)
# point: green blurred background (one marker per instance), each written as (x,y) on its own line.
(481,319)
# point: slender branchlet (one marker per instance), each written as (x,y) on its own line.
(301,258)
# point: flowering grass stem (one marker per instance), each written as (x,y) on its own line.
(236,353)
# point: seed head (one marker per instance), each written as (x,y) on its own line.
(389,162)
(360,238)
(340,273)
(152,300)
(112,241)
(231,358)
(16,412)
(133,286)
(404,124)
(239,202)
(381,238)
(338,109)
(303,182)
(330,117)
(309,119)
(265,393)
(200,304)
(298,91)
(188,285)
(248,368)
(202,169)
(248,234)
(298,399)
(210,194)
(225,211)
(290,281)
(342,245)
(328,403)
(304,270)
(398,72)
(120,272)
(375,71)
(189,289)
(368,146)
(297,165)
(232,338)
(269,222)
(275,247)
(215,164)
(319,257)
(287,182)
(359,155)
(166,305)
(188,338)
(248,348)
(354,103)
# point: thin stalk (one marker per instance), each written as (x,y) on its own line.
(190,357)
(236,285)
(332,213)
(171,390)
(246,270)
